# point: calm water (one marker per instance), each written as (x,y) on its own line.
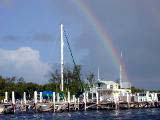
(136,114)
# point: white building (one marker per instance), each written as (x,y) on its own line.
(146,97)
(110,91)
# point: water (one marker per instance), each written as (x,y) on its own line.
(132,114)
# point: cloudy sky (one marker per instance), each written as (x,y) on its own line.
(30,38)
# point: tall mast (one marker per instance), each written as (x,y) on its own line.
(62,64)
(120,70)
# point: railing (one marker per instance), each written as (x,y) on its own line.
(103,88)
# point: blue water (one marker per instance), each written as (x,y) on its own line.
(134,114)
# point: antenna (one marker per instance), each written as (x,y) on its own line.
(62,53)
(121,54)
(98,74)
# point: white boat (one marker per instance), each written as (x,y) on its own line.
(1,109)
(44,108)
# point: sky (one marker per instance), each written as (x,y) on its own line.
(30,38)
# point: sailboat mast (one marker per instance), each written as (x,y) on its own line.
(62,54)
(120,70)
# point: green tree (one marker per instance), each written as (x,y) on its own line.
(136,90)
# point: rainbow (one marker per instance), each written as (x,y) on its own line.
(101,33)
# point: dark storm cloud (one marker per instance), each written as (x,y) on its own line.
(134,29)
(41,37)
(6,3)
(98,56)
(10,38)
(44,37)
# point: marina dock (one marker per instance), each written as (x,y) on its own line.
(75,104)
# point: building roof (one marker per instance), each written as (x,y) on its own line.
(106,82)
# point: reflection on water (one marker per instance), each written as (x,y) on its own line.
(116,113)
(135,114)
(69,115)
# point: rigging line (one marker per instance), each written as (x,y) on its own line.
(65,35)
(69,47)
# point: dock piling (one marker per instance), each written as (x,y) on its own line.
(54,100)
(13,98)
(87,96)
(6,97)
(68,97)
(58,97)
(97,99)
(84,100)
(35,97)
(78,103)
(40,97)
(24,97)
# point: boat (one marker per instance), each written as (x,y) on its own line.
(44,108)
(8,109)
(1,109)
